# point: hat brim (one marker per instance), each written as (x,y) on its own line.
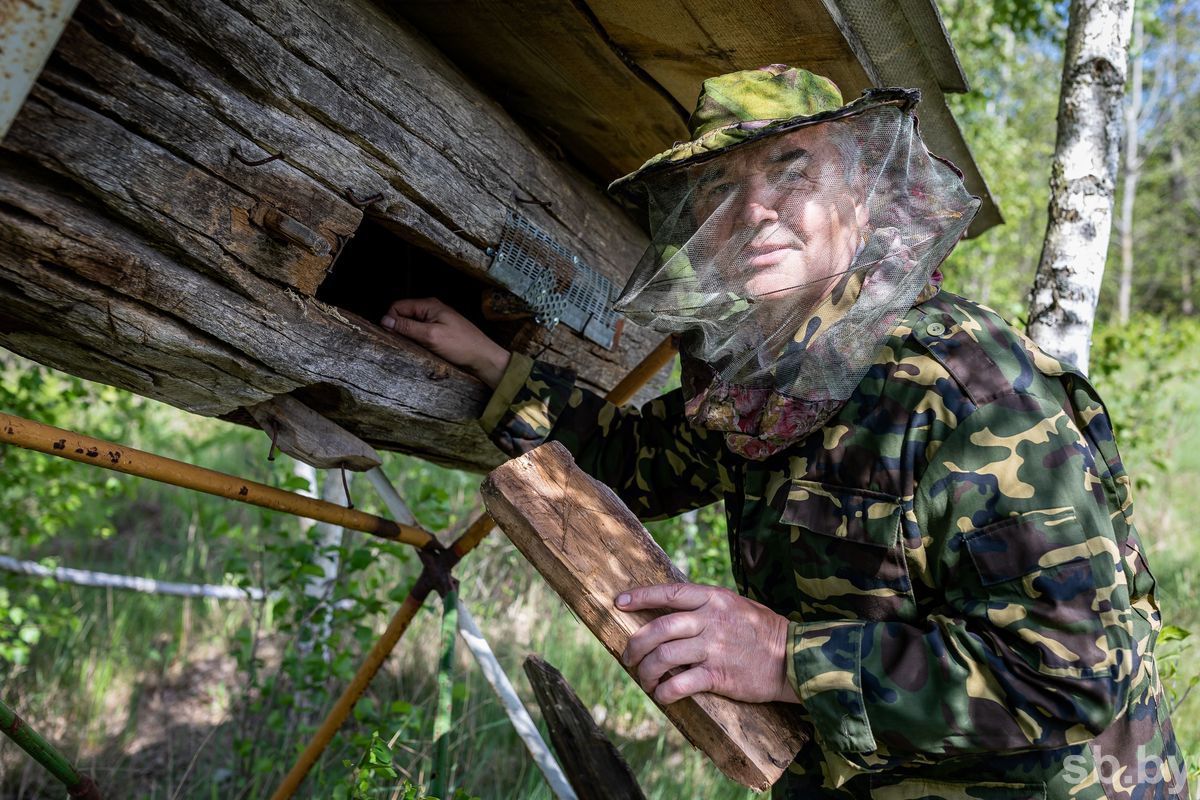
(720,140)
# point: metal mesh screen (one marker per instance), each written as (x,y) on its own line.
(553,281)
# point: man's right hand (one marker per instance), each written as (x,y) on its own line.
(440,329)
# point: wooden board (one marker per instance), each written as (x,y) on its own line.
(613,81)
(682,42)
(608,80)
(549,62)
(589,547)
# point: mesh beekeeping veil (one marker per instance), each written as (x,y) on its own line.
(784,257)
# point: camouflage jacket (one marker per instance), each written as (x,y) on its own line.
(972,615)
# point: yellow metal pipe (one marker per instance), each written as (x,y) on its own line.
(473,535)
(86,450)
(345,704)
(655,360)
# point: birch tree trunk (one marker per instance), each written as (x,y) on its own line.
(1131,172)
(1179,175)
(315,630)
(314,637)
(1179,193)
(1083,175)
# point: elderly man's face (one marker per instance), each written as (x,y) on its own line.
(779,217)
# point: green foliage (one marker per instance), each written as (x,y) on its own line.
(1174,644)
(1133,366)
(1013,74)
(41,498)
(374,767)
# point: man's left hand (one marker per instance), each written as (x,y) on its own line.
(727,644)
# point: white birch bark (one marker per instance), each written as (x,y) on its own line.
(1082,179)
(314,634)
(1179,171)
(1131,172)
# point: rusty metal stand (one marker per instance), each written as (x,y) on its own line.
(622,393)
(438,561)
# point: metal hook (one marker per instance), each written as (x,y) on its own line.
(363,202)
(346,489)
(254,163)
(532,201)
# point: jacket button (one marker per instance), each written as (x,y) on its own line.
(936,329)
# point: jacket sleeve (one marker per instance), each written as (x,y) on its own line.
(656,462)
(1033,645)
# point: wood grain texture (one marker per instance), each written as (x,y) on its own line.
(683,42)
(307,436)
(589,547)
(141,252)
(595,768)
(613,81)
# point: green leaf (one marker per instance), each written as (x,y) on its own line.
(361,559)
(1173,633)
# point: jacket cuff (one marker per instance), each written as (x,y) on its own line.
(825,670)
(514,377)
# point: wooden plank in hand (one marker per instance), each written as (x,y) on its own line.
(589,547)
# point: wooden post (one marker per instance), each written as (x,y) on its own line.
(593,765)
(589,547)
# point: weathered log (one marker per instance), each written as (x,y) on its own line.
(309,437)
(96,300)
(595,768)
(143,251)
(589,547)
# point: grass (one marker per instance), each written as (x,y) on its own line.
(1166,513)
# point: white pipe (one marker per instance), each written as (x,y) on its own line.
(391,498)
(316,627)
(29,30)
(82,577)
(517,714)
(107,580)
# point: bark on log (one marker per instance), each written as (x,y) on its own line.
(589,547)
(142,252)
(1082,179)
(591,762)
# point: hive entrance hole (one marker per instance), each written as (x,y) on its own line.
(377,267)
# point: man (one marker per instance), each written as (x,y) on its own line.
(929,524)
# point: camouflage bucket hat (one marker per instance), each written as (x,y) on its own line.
(787,238)
(744,106)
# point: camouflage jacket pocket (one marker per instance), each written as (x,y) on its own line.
(1039,589)
(847,557)
(1016,548)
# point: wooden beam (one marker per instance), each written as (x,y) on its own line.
(307,436)
(595,768)
(138,248)
(683,42)
(589,547)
